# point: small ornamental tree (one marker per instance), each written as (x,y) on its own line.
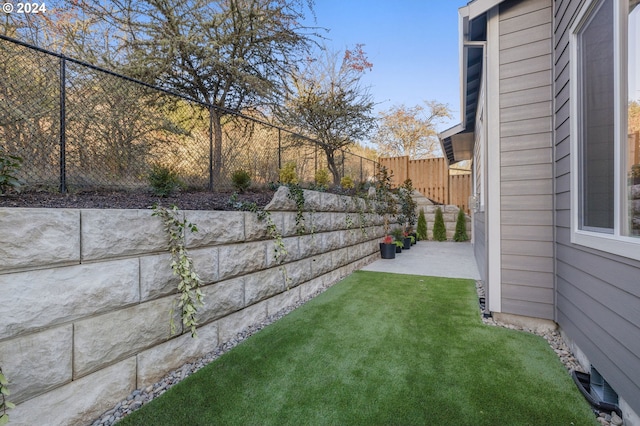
(461,228)
(439,230)
(422,226)
(407,217)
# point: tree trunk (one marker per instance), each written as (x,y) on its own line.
(331,164)
(216,151)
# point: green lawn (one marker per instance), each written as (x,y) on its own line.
(379,349)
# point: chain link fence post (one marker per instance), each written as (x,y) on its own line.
(63,140)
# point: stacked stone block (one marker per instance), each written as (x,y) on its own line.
(86,293)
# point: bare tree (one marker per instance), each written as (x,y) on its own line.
(328,102)
(233,54)
(411,130)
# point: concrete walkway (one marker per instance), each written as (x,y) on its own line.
(438,259)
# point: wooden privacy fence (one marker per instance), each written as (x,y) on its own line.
(432,178)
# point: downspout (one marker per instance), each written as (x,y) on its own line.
(493,208)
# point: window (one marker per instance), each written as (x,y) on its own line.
(606,126)
(633,117)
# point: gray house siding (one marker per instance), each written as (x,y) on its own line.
(526,164)
(598,294)
(479,244)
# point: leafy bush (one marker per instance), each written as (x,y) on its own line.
(439,230)
(9,166)
(241,180)
(385,204)
(397,234)
(346,182)
(408,205)
(163,180)
(288,173)
(422,226)
(322,178)
(461,228)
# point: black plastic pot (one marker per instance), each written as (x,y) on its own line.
(398,249)
(387,251)
(415,237)
(407,243)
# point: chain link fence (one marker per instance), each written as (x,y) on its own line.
(78,127)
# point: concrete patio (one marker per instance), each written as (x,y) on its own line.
(432,258)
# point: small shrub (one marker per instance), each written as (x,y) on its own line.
(461,228)
(288,174)
(241,180)
(9,166)
(422,226)
(163,180)
(397,234)
(439,230)
(347,183)
(322,178)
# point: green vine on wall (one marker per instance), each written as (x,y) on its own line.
(296,193)
(280,251)
(348,219)
(368,208)
(4,404)
(191,297)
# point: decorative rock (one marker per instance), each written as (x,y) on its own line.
(615,419)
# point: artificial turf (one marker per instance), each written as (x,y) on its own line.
(379,349)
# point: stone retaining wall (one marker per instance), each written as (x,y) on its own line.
(86,293)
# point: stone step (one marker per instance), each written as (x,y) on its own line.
(449,214)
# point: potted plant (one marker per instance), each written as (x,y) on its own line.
(412,234)
(406,240)
(399,245)
(387,248)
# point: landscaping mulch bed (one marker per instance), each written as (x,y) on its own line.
(185,200)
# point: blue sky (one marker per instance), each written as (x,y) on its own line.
(413,45)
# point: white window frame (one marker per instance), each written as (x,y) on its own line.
(615,243)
